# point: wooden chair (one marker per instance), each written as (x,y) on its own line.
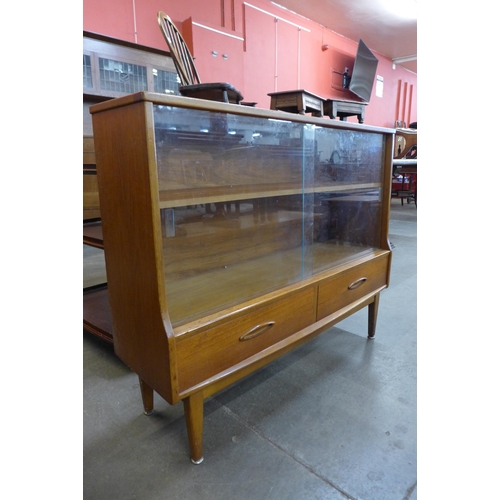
(191,85)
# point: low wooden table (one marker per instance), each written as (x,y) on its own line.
(297,101)
(338,108)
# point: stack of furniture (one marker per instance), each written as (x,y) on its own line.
(404,180)
(111,68)
(96,311)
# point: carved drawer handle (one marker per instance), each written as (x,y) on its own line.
(357,283)
(257,330)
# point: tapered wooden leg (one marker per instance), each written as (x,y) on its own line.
(372,317)
(147,397)
(193,413)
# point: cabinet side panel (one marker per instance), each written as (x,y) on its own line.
(386,208)
(387,181)
(124,144)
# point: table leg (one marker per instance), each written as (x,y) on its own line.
(372,316)
(193,413)
(147,397)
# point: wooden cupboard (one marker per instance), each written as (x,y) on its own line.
(232,235)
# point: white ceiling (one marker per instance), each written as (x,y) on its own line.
(377,22)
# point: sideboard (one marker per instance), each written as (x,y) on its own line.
(232,235)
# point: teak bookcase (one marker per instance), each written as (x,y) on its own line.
(232,235)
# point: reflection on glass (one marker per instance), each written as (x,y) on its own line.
(251,204)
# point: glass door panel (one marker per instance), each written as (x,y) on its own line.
(250,205)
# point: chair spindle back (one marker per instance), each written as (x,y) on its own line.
(181,55)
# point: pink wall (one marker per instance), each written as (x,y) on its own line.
(267,49)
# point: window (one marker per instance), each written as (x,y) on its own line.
(165,82)
(87,71)
(122,77)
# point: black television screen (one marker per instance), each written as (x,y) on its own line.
(363,72)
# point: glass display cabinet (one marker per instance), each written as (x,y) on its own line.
(232,235)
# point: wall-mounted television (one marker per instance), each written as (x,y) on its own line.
(363,72)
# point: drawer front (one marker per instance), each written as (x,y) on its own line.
(210,352)
(353,285)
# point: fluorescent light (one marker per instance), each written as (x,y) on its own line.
(401,60)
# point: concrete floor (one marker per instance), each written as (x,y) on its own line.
(335,419)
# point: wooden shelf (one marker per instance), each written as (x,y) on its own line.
(92,234)
(220,194)
(96,310)
(97,313)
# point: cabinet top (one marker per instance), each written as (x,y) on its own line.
(202,104)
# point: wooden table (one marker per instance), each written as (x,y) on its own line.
(338,108)
(297,101)
(301,101)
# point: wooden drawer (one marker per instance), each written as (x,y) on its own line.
(202,356)
(352,285)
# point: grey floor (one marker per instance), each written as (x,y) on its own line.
(334,419)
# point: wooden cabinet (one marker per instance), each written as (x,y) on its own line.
(96,313)
(232,235)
